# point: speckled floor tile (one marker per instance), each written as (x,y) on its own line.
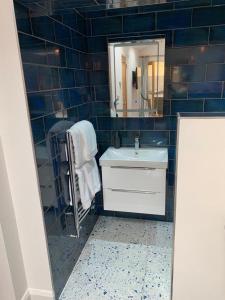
(121,260)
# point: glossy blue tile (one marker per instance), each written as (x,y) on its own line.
(173,137)
(33,50)
(156,7)
(176,91)
(67,78)
(165,123)
(63,35)
(205,90)
(186,106)
(31,77)
(132,124)
(118,123)
(101,109)
(217,35)
(174,19)
(146,123)
(214,105)
(60,99)
(97,44)
(82,78)
(215,72)
(154,138)
(22,18)
(40,104)
(72,58)
(48,78)
(122,11)
(104,123)
(208,16)
(191,36)
(79,42)
(70,19)
(55,55)
(139,22)
(100,62)
(37,126)
(81,24)
(99,77)
(39,25)
(76,96)
(108,25)
(188,73)
(192,3)
(102,93)
(84,111)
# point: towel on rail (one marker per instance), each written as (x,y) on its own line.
(84,140)
(85,148)
(89,182)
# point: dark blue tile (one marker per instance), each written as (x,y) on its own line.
(62,35)
(79,42)
(208,16)
(187,73)
(176,91)
(215,72)
(104,123)
(50,121)
(81,24)
(218,2)
(31,77)
(122,11)
(100,62)
(146,123)
(104,137)
(217,35)
(82,78)
(48,78)
(173,137)
(40,104)
(214,105)
(67,78)
(128,137)
(205,90)
(85,61)
(70,19)
(55,55)
(60,99)
(72,58)
(132,124)
(99,77)
(76,96)
(118,123)
(154,138)
(37,126)
(108,25)
(72,114)
(97,44)
(174,19)
(39,25)
(102,93)
(22,18)
(100,109)
(140,22)
(186,106)
(192,3)
(33,50)
(165,123)
(156,7)
(191,36)
(84,111)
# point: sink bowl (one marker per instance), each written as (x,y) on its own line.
(128,157)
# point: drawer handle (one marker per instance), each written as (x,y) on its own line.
(135,168)
(134,191)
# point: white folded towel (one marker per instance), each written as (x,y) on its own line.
(84,140)
(89,182)
(85,147)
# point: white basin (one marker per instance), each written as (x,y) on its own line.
(127,157)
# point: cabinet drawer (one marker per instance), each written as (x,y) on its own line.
(141,179)
(129,201)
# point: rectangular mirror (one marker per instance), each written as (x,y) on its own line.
(137,78)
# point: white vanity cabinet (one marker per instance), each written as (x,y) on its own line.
(134,182)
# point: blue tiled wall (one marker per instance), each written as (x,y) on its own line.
(195,68)
(56,69)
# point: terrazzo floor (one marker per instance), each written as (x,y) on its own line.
(123,259)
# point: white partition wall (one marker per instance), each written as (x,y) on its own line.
(199,250)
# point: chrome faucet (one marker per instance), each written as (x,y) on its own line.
(136,144)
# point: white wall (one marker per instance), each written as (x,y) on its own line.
(15,134)
(199,249)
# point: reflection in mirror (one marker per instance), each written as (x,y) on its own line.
(137,78)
